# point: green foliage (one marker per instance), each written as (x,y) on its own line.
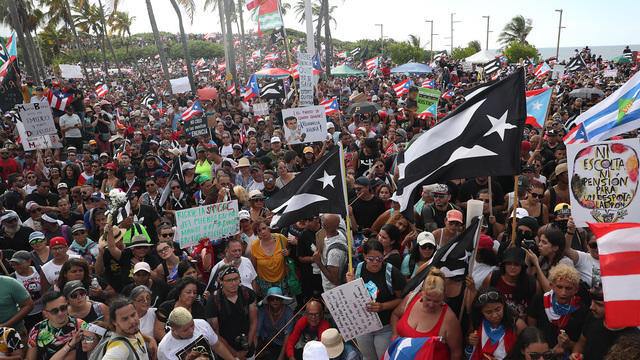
(516,51)
(475,44)
(461,53)
(516,30)
(402,53)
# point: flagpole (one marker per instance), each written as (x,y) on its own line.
(346,206)
(471,265)
(286,50)
(515,206)
(490,198)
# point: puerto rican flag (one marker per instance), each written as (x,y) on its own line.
(255,54)
(577,134)
(552,60)
(402,88)
(330,105)
(402,348)
(296,49)
(449,94)
(222,67)
(294,71)
(431,111)
(542,70)
(193,110)
(272,56)
(317,62)
(537,104)
(59,100)
(428,83)
(342,55)
(236,42)
(503,58)
(209,36)
(618,249)
(102,90)
(201,62)
(232,89)
(372,63)
(252,89)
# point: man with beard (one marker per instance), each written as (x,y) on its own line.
(125,319)
(13,235)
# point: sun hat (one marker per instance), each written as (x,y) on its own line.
(332,341)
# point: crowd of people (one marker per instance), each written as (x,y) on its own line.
(82,284)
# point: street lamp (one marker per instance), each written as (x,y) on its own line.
(560,27)
(487,46)
(381,39)
(431,56)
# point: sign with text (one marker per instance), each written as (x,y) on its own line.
(603,181)
(305,85)
(37,142)
(610,73)
(37,119)
(215,221)
(428,100)
(305,124)
(558,71)
(261,109)
(180,85)
(196,126)
(347,305)
(71,71)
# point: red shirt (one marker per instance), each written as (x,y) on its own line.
(9,166)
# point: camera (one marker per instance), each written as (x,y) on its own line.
(529,244)
(242,341)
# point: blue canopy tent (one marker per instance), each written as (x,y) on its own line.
(412,68)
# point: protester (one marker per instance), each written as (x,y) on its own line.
(273,315)
(308,328)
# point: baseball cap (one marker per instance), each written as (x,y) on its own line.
(72,286)
(160,173)
(57,241)
(244,215)
(35,235)
(20,257)
(454,215)
(142,266)
(307,149)
(441,189)
(560,168)
(275,139)
(515,255)
(315,350)
(485,242)
(78,227)
(30,204)
(51,217)
(129,169)
(364,181)
(237,146)
(188,166)
(562,208)
(92,142)
(97,196)
(425,238)
(63,185)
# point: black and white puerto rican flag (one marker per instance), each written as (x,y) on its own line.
(355,51)
(576,64)
(318,189)
(492,66)
(479,138)
(273,90)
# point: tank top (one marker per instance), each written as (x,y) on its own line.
(539,217)
(203,168)
(405,330)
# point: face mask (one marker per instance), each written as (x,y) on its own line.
(562,225)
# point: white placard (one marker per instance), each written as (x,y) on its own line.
(261,109)
(603,181)
(467,66)
(347,305)
(214,221)
(37,119)
(305,124)
(71,71)
(180,85)
(610,73)
(305,85)
(558,71)
(38,142)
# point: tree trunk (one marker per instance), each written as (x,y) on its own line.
(133,54)
(231,64)
(37,61)
(327,38)
(106,35)
(40,58)
(319,29)
(221,7)
(185,48)
(26,57)
(83,54)
(105,67)
(243,49)
(156,36)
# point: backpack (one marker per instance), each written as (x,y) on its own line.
(217,297)
(387,275)
(109,338)
(342,272)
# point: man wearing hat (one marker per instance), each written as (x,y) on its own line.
(82,245)
(51,226)
(273,315)
(276,149)
(70,125)
(559,193)
(142,276)
(367,207)
(30,279)
(13,235)
(433,215)
(337,349)
(257,176)
(59,248)
(243,178)
(190,338)
(130,180)
(188,153)
(237,152)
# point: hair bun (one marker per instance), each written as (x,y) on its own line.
(436,272)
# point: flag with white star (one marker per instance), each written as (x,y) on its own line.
(316,190)
(481,137)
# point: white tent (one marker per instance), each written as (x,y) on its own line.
(481,57)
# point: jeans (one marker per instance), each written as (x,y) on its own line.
(374,344)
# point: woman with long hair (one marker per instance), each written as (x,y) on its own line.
(111,181)
(268,254)
(530,345)
(533,203)
(494,328)
(389,237)
(431,317)
(70,174)
(420,254)
(54,178)
(184,294)
(149,165)
(551,246)
(79,304)
(79,269)
(168,268)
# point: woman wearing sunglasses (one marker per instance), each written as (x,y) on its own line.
(41,252)
(79,304)
(495,326)
(530,345)
(533,203)
(92,335)
(385,283)
(168,268)
(420,255)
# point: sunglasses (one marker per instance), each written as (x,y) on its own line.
(537,196)
(376,259)
(486,201)
(439,196)
(427,246)
(167,235)
(545,355)
(55,311)
(593,245)
(77,294)
(88,339)
(490,296)
(175,187)
(35,241)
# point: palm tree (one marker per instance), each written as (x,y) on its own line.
(475,44)
(516,30)
(189,6)
(328,45)
(88,20)
(242,37)
(231,63)
(414,40)
(18,24)
(120,23)
(156,37)
(107,37)
(220,4)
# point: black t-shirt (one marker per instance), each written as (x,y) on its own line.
(305,241)
(159,290)
(384,295)
(233,318)
(367,211)
(469,190)
(50,199)
(147,216)
(126,266)
(163,311)
(599,338)
(431,214)
(72,219)
(20,241)
(573,326)
(267,194)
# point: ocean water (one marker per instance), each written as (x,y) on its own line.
(607,52)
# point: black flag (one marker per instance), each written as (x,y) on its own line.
(479,138)
(176,174)
(273,90)
(150,99)
(576,64)
(492,66)
(10,94)
(317,189)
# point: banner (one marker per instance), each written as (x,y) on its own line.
(196,126)
(305,124)
(347,305)
(37,142)
(37,119)
(260,109)
(558,71)
(305,85)
(215,221)
(610,73)
(71,71)
(10,94)
(603,181)
(180,85)
(426,98)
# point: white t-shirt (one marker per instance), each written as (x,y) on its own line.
(66,121)
(34,288)
(226,150)
(147,322)
(248,240)
(203,338)
(247,272)
(480,272)
(52,271)
(588,267)
(336,257)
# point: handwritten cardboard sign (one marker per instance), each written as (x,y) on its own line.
(37,142)
(71,71)
(37,119)
(603,181)
(261,109)
(180,85)
(305,124)
(305,86)
(347,303)
(215,221)
(196,126)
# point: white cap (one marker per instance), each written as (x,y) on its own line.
(142,266)
(275,139)
(244,215)
(426,237)
(315,350)
(330,125)
(520,213)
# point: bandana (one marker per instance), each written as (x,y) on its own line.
(559,314)
(227,271)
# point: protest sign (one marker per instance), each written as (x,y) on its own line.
(196,126)
(214,221)
(10,94)
(304,125)
(347,305)
(305,85)
(71,71)
(426,99)
(208,94)
(558,71)
(610,73)
(603,181)
(37,119)
(180,85)
(37,142)
(467,66)
(261,109)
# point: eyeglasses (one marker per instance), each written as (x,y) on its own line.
(537,196)
(55,311)
(175,187)
(144,300)
(440,196)
(235,279)
(313,314)
(33,211)
(88,339)
(77,294)
(371,259)
(164,249)
(109,169)
(490,296)
(548,355)
(167,235)
(593,245)
(34,241)
(269,180)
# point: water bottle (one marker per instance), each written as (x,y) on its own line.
(94,283)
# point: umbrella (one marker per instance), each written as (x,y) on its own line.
(363,108)
(346,70)
(621,60)
(273,73)
(586,93)
(412,68)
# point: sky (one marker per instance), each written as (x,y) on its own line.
(586,22)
